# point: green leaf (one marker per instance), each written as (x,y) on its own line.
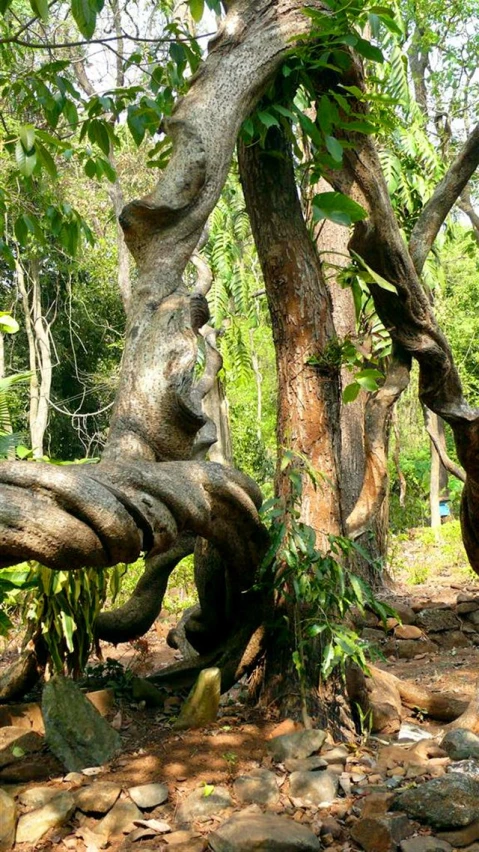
(350,392)
(368,50)
(27,136)
(267,119)
(177,53)
(46,160)
(90,169)
(197,8)
(8,325)
(369,276)
(25,162)
(40,8)
(335,148)
(84,13)
(17,751)
(338,208)
(208,790)
(98,132)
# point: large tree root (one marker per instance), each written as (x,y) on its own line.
(137,615)
(382,695)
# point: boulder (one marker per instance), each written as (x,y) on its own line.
(314,788)
(448,802)
(437,619)
(260,786)
(296,746)
(425,843)
(463,836)
(382,833)
(75,731)
(201,804)
(461,744)
(265,832)
(148,795)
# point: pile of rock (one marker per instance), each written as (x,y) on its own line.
(424,627)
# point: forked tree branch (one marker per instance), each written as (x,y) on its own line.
(443,200)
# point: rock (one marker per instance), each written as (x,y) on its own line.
(450,639)
(297,746)
(448,802)
(308,764)
(260,787)
(287,726)
(8,818)
(376,804)
(16,742)
(460,744)
(425,843)
(75,731)
(407,649)
(119,820)
(337,754)
(32,826)
(473,617)
(407,631)
(103,700)
(405,612)
(465,607)
(385,704)
(201,706)
(97,798)
(435,620)
(27,716)
(200,806)
(143,690)
(36,767)
(37,797)
(462,837)
(265,832)
(148,795)
(315,788)
(382,833)
(468,767)
(373,635)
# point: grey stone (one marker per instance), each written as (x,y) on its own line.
(143,690)
(200,806)
(201,706)
(466,607)
(463,836)
(8,818)
(32,826)
(451,801)
(16,742)
(299,745)
(75,731)
(315,788)
(473,617)
(119,820)
(337,754)
(37,797)
(307,764)
(468,767)
(97,798)
(148,795)
(407,649)
(260,787)
(373,635)
(425,843)
(264,832)
(450,639)
(436,619)
(460,744)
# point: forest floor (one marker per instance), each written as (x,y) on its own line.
(237,742)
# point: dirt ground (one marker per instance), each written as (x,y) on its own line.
(236,743)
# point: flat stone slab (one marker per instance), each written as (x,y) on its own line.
(260,786)
(148,795)
(296,746)
(37,797)
(119,820)
(200,806)
(32,826)
(97,798)
(16,742)
(315,788)
(263,832)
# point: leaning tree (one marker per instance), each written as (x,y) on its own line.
(148,494)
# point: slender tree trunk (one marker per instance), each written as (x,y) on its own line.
(302,322)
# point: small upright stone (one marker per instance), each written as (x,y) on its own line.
(74,729)
(201,706)
(8,816)
(296,746)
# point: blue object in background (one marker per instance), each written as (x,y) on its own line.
(444,509)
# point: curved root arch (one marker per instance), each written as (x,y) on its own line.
(68,518)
